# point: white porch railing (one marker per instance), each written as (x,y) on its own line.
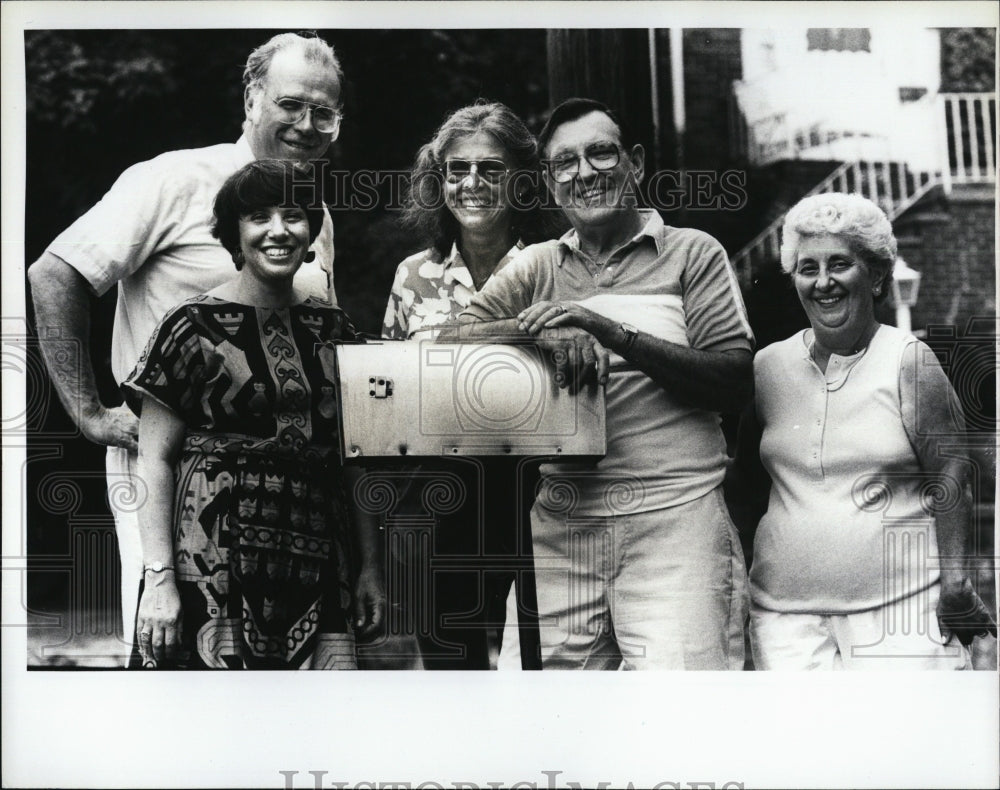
(774,139)
(968,134)
(969,126)
(889,184)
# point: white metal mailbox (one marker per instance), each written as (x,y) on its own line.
(421,398)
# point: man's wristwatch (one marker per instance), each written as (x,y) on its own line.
(631,333)
(156,567)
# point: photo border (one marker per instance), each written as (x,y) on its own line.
(381,728)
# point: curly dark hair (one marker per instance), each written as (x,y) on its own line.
(425,209)
(262,184)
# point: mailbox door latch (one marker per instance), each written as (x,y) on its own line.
(379,387)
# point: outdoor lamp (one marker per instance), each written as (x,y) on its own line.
(905,285)
(903,294)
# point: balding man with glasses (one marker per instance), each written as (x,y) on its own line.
(151,234)
(637,563)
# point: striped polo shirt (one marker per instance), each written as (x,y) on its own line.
(674,283)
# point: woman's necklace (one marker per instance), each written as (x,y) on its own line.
(821,355)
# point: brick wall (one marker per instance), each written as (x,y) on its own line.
(950,241)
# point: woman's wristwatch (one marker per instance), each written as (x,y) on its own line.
(156,567)
(631,333)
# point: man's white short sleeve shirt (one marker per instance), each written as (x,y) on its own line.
(152,235)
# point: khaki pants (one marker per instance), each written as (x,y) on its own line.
(665,589)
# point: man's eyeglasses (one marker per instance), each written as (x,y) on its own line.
(492,171)
(325,120)
(600,157)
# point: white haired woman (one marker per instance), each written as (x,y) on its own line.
(860,560)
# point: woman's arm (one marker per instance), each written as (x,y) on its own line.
(747,484)
(161,432)
(369,592)
(932,416)
(395,323)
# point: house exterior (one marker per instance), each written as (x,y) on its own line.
(840,94)
(803,110)
(869,104)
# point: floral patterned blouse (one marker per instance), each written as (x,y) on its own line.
(429,291)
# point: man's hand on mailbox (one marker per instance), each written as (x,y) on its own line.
(569,333)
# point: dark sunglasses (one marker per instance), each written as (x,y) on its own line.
(490,170)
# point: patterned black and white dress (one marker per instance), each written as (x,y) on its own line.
(259,527)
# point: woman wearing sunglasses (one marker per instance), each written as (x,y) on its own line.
(472,198)
(463,201)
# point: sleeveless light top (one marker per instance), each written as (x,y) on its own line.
(845,529)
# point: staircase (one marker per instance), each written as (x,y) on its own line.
(968,156)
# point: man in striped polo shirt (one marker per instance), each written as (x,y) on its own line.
(637,563)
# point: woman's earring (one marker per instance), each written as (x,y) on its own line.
(238,259)
(310,256)
(877,290)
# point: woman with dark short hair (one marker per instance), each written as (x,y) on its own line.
(861,559)
(247,560)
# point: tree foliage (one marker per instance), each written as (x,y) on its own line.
(72,85)
(968,59)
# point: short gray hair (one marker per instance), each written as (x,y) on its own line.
(312,47)
(852,217)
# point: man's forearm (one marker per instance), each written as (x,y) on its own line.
(479,331)
(720,381)
(62,316)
